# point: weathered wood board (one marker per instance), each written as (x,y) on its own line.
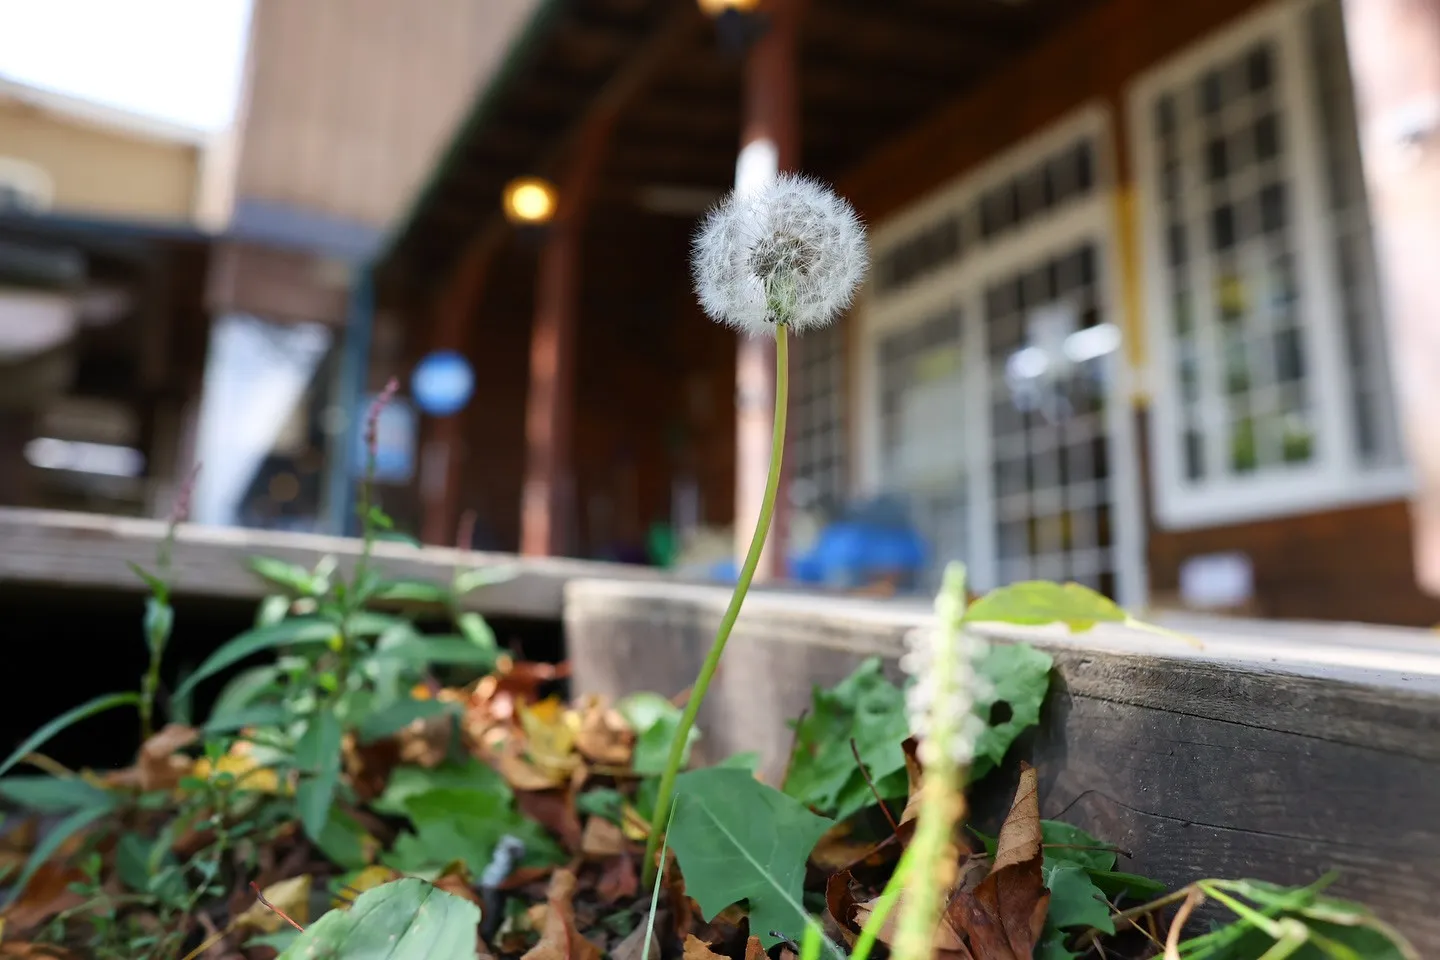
(1273,751)
(90,552)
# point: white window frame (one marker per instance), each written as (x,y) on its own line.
(1091,218)
(1335,477)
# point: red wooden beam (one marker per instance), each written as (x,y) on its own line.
(1395,61)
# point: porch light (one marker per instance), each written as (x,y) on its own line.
(738,23)
(530,201)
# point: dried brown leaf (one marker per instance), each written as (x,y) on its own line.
(754,950)
(1004,916)
(619,880)
(555,811)
(604,736)
(46,894)
(697,949)
(559,939)
(602,839)
(841,903)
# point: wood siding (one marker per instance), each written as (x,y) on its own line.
(349,103)
(100,170)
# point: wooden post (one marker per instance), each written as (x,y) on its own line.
(769,143)
(442,461)
(1395,61)
(550,411)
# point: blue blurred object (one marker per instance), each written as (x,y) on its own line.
(442,383)
(871,542)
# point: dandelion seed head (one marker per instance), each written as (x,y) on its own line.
(789,252)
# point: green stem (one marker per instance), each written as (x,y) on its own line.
(737,599)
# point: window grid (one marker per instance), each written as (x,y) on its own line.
(1051,463)
(1265,319)
(922,412)
(817,415)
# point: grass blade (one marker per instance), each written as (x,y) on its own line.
(69,718)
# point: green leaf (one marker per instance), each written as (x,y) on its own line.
(466,825)
(738,839)
(46,794)
(272,610)
(419,649)
(142,864)
(317,754)
(1074,900)
(405,919)
(243,689)
(53,841)
(1051,946)
(1113,884)
(159,621)
(1067,843)
(468,581)
(749,761)
(865,707)
(158,588)
(259,715)
(69,718)
(297,630)
(1036,602)
(293,578)
(602,802)
(407,782)
(474,628)
(344,841)
(655,721)
(413,591)
(1019,677)
(399,715)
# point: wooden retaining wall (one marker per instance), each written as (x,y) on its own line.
(1278,751)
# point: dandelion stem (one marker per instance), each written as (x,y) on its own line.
(737,599)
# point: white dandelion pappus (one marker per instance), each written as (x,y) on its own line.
(789,252)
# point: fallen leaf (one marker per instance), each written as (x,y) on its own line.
(1004,916)
(697,949)
(754,949)
(160,762)
(604,736)
(367,879)
(602,839)
(241,764)
(619,880)
(842,905)
(368,765)
(947,941)
(555,811)
(559,940)
(292,897)
(457,884)
(633,946)
(633,824)
(46,894)
(837,851)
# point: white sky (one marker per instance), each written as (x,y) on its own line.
(178,60)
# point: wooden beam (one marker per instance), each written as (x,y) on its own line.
(1275,751)
(1395,61)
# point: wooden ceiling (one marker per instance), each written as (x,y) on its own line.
(870,69)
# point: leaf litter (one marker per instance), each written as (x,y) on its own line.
(517,826)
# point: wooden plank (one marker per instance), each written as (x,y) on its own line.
(1276,751)
(90,552)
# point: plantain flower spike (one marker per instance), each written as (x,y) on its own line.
(940,702)
(790,252)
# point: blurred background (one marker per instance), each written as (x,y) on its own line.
(1125,323)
